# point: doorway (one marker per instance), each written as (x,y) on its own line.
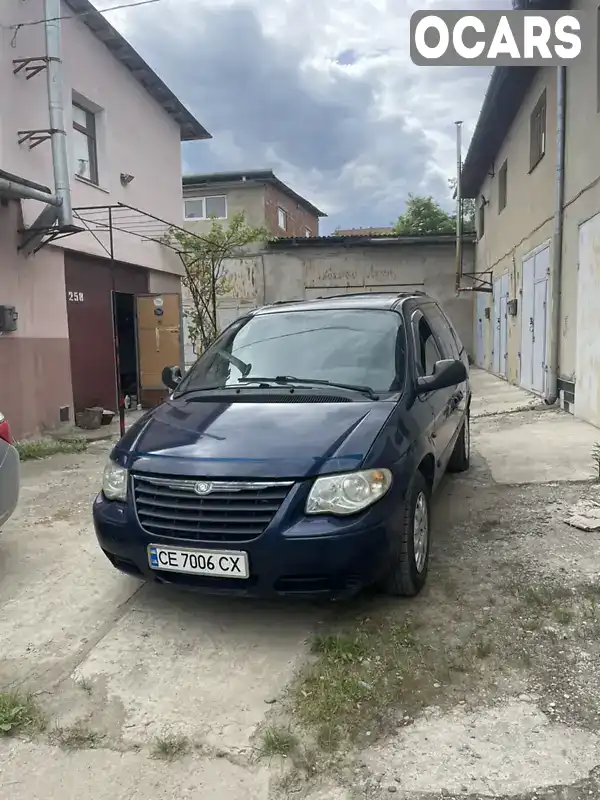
(534,319)
(125,331)
(587,367)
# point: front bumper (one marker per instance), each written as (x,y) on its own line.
(308,559)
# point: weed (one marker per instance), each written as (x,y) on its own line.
(484,648)
(85,685)
(76,737)
(170,747)
(44,448)
(19,713)
(277,741)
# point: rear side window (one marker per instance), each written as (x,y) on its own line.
(443,330)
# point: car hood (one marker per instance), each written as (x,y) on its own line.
(252,440)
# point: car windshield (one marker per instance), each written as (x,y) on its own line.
(343,346)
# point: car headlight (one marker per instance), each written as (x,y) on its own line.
(114,482)
(348,493)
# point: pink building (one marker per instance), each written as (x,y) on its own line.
(103,275)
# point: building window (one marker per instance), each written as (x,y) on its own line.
(282,218)
(502,187)
(307,233)
(206,207)
(537,133)
(85,143)
(481,218)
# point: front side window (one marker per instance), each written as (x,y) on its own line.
(85,144)
(443,331)
(359,347)
(428,353)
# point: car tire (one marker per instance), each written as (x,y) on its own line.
(461,455)
(410,554)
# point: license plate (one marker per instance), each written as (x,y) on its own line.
(218,563)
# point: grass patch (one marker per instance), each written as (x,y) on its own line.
(44,448)
(277,741)
(357,679)
(19,714)
(76,737)
(170,747)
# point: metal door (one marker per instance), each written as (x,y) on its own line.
(587,392)
(159,342)
(503,326)
(480,306)
(496,345)
(527,319)
(533,320)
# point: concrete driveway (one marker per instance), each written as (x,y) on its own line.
(129,667)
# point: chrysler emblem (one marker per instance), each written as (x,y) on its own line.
(202,487)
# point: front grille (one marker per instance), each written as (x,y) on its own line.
(232,511)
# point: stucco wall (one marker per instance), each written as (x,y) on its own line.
(527,220)
(135,135)
(34,360)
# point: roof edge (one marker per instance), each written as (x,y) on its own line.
(258,176)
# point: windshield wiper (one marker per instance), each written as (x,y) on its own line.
(288,380)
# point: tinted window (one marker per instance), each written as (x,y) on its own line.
(341,345)
(427,350)
(442,330)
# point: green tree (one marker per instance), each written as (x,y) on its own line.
(424,215)
(206,277)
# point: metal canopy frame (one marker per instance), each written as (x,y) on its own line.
(108,219)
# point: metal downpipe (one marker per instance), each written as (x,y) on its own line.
(551,394)
(60,160)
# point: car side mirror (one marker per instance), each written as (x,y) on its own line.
(446,373)
(171,377)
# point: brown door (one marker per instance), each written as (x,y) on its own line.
(89,282)
(159,343)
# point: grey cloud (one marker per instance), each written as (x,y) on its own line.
(260,101)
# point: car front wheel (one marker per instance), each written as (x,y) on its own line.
(410,554)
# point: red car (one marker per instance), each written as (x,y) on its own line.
(9,472)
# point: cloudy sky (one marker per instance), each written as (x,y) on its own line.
(321,91)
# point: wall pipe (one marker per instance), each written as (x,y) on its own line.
(18,191)
(60,161)
(458,206)
(555,277)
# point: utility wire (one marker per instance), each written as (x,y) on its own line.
(77,14)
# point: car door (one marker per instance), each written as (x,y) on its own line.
(428,353)
(451,348)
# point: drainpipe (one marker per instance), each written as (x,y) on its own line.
(458,206)
(60,161)
(17,190)
(556,265)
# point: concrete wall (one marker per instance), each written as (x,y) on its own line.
(309,272)
(34,360)
(135,135)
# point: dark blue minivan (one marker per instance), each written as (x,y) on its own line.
(298,455)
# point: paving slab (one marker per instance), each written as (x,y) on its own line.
(492,395)
(31,771)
